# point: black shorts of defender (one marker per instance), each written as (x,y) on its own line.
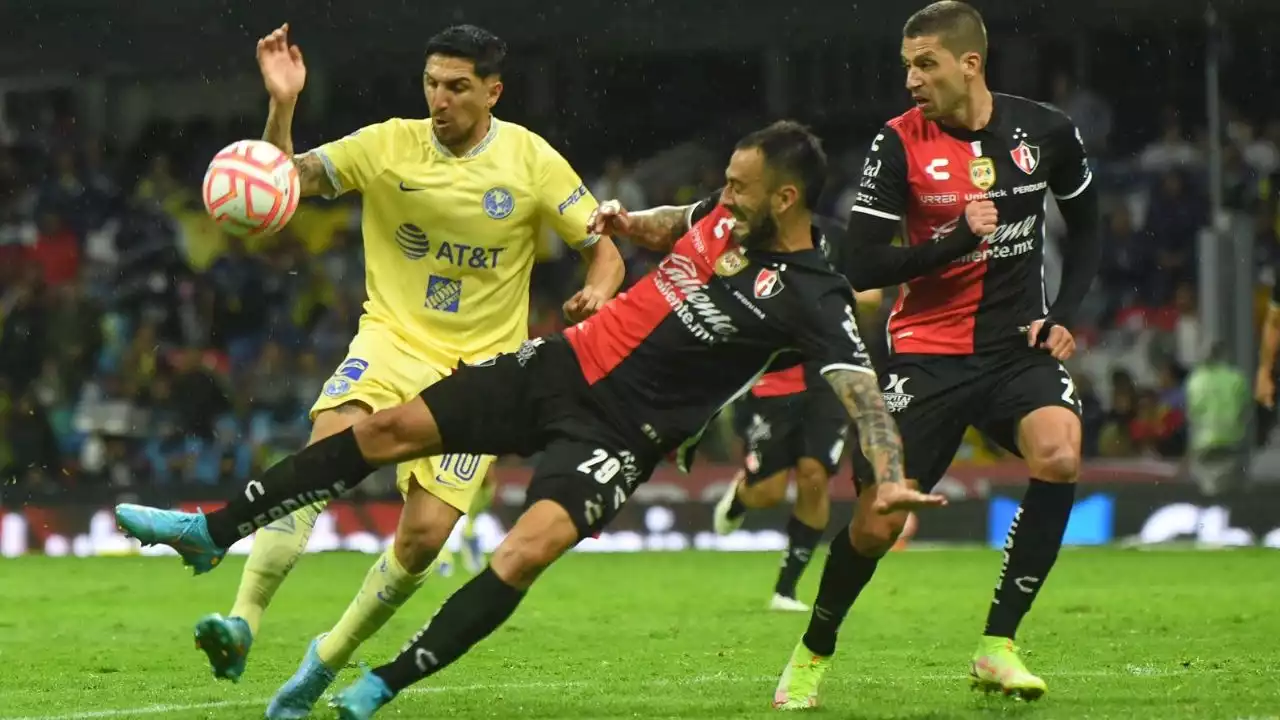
(535,402)
(935,398)
(779,430)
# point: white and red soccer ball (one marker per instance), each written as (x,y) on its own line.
(251,188)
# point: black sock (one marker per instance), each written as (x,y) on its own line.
(801,540)
(466,618)
(844,576)
(322,471)
(1032,546)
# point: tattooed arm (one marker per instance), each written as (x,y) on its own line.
(859,391)
(656,228)
(312,178)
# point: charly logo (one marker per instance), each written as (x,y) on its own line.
(412,241)
(498,203)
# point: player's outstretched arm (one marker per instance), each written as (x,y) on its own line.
(881,444)
(655,229)
(877,432)
(284,74)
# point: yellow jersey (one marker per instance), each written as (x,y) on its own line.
(449,241)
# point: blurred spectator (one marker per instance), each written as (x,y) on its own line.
(1172,149)
(1091,113)
(1126,269)
(1174,219)
(1218,399)
(197,397)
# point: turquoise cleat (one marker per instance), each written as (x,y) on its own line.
(362,698)
(296,697)
(226,641)
(188,533)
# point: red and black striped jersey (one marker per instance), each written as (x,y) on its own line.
(924,174)
(701,328)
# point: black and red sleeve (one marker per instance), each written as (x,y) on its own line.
(870,259)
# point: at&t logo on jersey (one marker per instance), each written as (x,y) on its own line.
(678,281)
(498,203)
(412,241)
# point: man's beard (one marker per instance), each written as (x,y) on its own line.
(761,235)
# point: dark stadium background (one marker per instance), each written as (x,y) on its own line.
(144,356)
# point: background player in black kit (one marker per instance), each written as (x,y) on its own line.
(973,340)
(744,291)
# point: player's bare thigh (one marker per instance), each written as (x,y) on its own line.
(1049,439)
(335,420)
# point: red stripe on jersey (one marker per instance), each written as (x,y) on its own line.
(603,341)
(782,382)
(937,313)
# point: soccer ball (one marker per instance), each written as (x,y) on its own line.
(251,188)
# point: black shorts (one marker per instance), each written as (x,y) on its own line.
(779,430)
(535,400)
(936,398)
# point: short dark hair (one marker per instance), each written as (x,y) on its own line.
(958,25)
(484,49)
(793,150)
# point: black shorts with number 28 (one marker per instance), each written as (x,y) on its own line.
(535,400)
(936,398)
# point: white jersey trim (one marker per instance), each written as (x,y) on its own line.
(1087,179)
(877,213)
(846,366)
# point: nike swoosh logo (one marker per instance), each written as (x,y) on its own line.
(406,188)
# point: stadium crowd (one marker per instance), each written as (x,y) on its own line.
(140,345)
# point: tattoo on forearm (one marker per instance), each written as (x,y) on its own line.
(312,178)
(877,430)
(659,227)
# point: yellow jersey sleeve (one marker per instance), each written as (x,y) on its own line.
(564,201)
(355,160)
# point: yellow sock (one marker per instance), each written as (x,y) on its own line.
(276,548)
(386,587)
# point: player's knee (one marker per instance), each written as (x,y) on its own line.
(765,493)
(417,546)
(874,537)
(811,482)
(1058,463)
(543,534)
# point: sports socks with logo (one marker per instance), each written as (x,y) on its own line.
(1030,550)
(319,472)
(386,587)
(466,618)
(801,542)
(843,577)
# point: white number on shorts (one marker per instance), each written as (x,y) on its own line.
(606,471)
(1069,392)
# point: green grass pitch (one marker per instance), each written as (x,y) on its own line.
(1116,633)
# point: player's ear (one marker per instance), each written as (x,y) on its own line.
(971,63)
(785,198)
(493,87)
